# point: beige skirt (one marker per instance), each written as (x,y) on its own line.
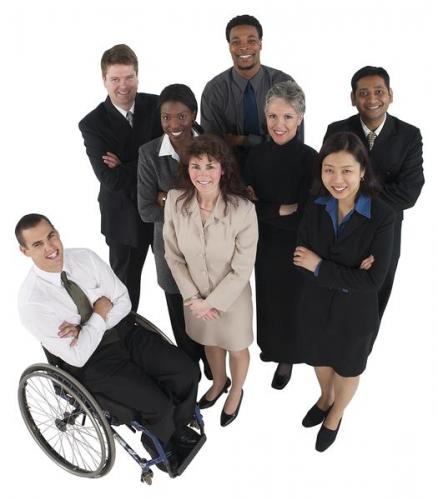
(231,331)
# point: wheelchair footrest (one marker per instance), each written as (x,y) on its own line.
(186,459)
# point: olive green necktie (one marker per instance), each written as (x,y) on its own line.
(79,298)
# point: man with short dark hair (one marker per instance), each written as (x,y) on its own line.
(395,149)
(75,305)
(112,134)
(233,102)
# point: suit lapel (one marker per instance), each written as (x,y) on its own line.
(385,135)
(355,126)
(356,223)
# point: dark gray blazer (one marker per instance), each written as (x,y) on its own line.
(156,173)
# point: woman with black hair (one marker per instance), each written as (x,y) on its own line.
(157,170)
(344,245)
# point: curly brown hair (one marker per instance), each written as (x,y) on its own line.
(215,148)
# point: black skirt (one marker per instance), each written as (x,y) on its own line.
(278,289)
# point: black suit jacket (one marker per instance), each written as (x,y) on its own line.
(397,158)
(339,312)
(103,130)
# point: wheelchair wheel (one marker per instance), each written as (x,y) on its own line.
(66,421)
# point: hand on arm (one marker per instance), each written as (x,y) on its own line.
(102,307)
(111,160)
(236,140)
(288,209)
(161,198)
(305,258)
(67,329)
(367,263)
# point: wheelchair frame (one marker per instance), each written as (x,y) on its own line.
(52,401)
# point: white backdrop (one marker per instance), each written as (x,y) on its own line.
(386,448)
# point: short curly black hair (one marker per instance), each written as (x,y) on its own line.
(242,20)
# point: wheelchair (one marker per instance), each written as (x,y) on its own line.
(77,430)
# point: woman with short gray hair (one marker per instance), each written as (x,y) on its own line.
(278,173)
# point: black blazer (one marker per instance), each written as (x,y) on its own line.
(105,129)
(397,158)
(339,313)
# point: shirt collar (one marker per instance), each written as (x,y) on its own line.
(53,278)
(243,82)
(123,112)
(367,131)
(362,205)
(167,149)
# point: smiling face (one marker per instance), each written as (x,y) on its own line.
(205,174)
(282,121)
(43,245)
(245,46)
(372,99)
(341,174)
(177,121)
(121,82)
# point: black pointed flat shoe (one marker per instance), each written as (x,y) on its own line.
(326,437)
(315,416)
(227,419)
(207,403)
(280,380)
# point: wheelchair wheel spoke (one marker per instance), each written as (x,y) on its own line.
(66,421)
(87,449)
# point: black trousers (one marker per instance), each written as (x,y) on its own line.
(127,262)
(147,374)
(386,288)
(175,306)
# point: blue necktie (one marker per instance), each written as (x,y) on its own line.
(250,117)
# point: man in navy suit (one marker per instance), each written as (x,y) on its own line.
(395,149)
(112,134)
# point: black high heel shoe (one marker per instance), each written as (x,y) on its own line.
(315,416)
(208,403)
(227,419)
(326,437)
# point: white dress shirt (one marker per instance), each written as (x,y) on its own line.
(167,149)
(44,304)
(122,111)
(367,131)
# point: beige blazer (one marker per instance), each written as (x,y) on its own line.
(215,260)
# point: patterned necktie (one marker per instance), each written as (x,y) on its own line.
(79,298)
(130,118)
(250,113)
(371,137)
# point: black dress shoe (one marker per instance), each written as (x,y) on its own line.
(207,403)
(227,419)
(326,437)
(280,380)
(185,437)
(315,416)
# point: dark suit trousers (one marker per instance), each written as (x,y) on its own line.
(175,306)
(127,262)
(147,374)
(385,289)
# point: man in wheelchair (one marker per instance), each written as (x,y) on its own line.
(75,305)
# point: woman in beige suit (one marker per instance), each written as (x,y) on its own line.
(210,236)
